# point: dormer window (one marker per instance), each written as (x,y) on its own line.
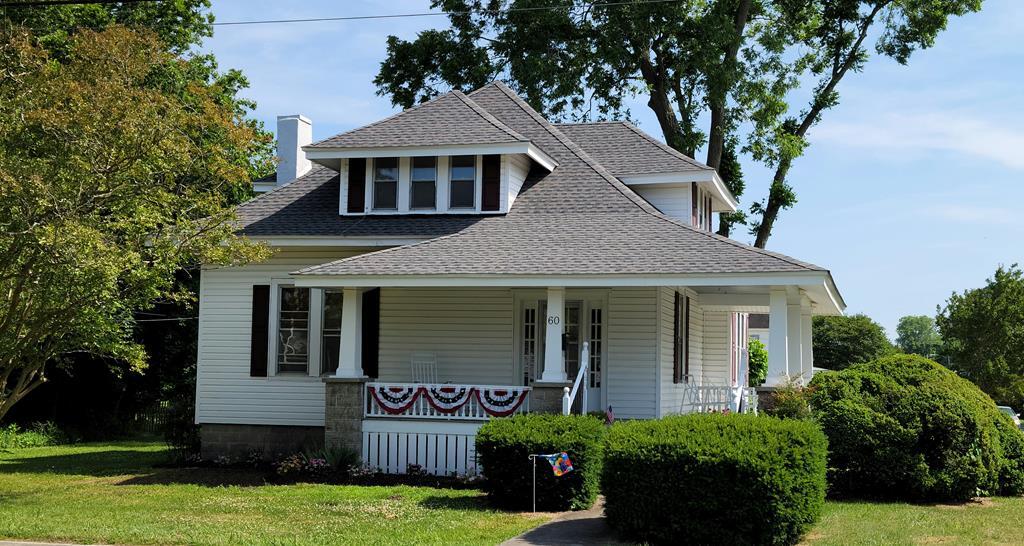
(423,183)
(463,182)
(385,183)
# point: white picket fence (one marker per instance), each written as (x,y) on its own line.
(438,448)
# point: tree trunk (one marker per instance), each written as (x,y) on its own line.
(716,134)
(771,210)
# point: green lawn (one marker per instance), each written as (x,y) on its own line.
(111,493)
(990,521)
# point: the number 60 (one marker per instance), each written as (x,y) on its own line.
(554,320)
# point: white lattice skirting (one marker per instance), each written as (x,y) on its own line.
(439,448)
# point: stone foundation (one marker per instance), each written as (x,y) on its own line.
(547,397)
(765,398)
(238,441)
(344,413)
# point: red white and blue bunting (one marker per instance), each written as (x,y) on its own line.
(502,401)
(448,398)
(395,399)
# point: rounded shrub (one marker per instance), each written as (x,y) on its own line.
(503,447)
(906,427)
(714,479)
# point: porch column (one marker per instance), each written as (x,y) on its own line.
(794,360)
(806,339)
(778,338)
(350,359)
(554,365)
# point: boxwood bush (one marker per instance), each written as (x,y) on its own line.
(503,447)
(714,479)
(905,427)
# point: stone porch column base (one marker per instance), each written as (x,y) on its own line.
(546,397)
(344,408)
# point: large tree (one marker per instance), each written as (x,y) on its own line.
(711,71)
(983,335)
(109,185)
(917,334)
(842,341)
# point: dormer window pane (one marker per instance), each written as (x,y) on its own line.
(385,183)
(463,182)
(424,183)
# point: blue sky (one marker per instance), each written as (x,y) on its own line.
(911,189)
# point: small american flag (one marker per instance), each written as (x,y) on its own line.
(609,416)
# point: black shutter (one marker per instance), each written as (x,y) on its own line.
(693,204)
(371,332)
(686,340)
(491,198)
(677,342)
(260,334)
(356,185)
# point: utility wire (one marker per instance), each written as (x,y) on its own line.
(434,13)
(41,3)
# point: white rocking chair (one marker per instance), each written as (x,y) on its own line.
(424,368)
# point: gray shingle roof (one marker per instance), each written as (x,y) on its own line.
(625,150)
(308,206)
(451,119)
(578,219)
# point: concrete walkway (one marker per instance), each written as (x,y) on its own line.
(569,528)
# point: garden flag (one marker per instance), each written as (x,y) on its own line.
(560,463)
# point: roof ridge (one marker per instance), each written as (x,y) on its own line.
(482,112)
(574,148)
(598,122)
(665,147)
(650,209)
(382,120)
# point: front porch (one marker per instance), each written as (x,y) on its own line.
(637,352)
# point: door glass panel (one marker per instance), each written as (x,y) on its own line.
(529,348)
(571,347)
(596,340)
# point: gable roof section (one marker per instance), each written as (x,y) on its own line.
(448,120)
(576,220)
(625,150)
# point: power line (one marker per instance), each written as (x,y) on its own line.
(42,3)
(432,13)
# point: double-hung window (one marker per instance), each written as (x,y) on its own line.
(293,330)
(385,183)
(423,183)
(462,194)
(330,333)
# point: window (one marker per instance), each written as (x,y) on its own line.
(385,183)
(423,186)
(330,336)
(681,331)
(463,182)
(293,330)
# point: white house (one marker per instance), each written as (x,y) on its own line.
(466,259)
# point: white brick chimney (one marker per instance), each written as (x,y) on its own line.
(293,132)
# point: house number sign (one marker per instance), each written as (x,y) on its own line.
(554,320)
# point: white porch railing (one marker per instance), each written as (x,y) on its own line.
(420,405)
(717,398)
(579,386)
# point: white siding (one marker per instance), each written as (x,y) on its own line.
(631,377)
(518,168)
(672,393)
(673,201)
(716,348)
(224,391)
(468,330)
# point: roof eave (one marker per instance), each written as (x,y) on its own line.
(324,155)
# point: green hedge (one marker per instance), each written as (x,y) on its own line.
(714,479)
(503,447)
(905,427)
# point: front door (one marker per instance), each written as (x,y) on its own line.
(584,321)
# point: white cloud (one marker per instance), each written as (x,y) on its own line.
(1001,142)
